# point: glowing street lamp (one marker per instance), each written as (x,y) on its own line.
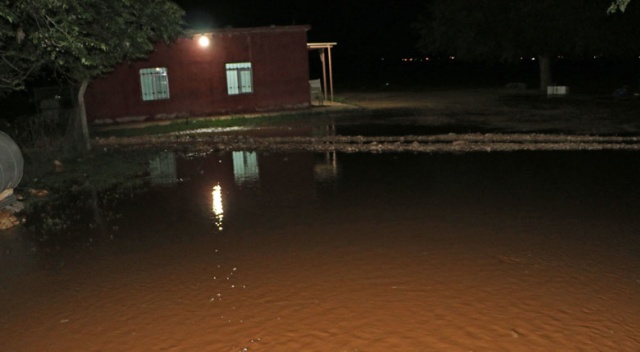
(204,41)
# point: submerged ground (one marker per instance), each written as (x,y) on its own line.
(518,251)
(246,240)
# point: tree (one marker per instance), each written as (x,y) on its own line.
(79,39)
(620,5)
(510,29)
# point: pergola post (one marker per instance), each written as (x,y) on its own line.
(330,72)
(325,47)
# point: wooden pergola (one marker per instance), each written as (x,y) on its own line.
(322,47)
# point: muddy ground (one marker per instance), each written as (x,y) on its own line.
(431,121)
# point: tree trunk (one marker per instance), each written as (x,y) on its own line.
(545,72)
(82,115)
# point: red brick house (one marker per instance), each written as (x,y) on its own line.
(222,72)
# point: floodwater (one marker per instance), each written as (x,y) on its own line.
(522,251)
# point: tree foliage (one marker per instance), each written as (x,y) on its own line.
(618,5)
(79,39)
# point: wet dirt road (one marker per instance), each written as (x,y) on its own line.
(523,251)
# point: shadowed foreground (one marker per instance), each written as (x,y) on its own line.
(529,251)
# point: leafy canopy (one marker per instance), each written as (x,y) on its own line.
(79,39)
(618,5)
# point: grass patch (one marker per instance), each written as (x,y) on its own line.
(203,123)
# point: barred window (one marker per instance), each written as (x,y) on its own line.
(239,78)
(154,83)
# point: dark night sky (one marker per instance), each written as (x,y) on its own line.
(363,29)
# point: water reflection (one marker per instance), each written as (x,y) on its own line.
(327,167)
(217,208)
(245,167)
(162,169)
(324,130)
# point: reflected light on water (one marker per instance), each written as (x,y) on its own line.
(217,208)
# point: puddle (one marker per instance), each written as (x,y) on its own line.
(245,251)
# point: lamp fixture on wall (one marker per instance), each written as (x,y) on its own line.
(204,41)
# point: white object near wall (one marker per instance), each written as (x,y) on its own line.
(557,90)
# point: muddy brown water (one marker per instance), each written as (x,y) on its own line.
(523,251)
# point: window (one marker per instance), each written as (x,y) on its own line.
(154,83)
(239,78)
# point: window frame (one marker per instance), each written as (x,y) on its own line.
(154,83)
(239,78)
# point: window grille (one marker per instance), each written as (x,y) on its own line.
(154,83)
(239,78)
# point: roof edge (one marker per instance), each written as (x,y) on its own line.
(212,31)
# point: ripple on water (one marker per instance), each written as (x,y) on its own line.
(344,271)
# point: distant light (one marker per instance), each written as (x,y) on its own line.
(204,41)
(452,57)
(533,59)
(427,59)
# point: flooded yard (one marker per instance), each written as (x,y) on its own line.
(301,251)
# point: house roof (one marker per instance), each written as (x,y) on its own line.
(314,46)
(213,31)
